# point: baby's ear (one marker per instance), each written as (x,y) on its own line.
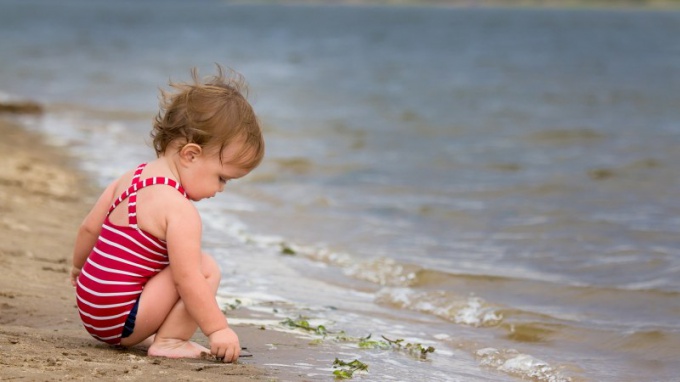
(189,152)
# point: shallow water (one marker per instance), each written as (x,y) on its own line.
(500,184)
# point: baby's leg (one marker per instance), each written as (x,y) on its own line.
(172,338)
(162,312)
(147,342)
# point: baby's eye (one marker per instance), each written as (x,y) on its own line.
(223,180)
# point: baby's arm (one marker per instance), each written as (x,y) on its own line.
(89,230)
(183,236)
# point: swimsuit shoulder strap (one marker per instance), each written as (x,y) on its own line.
(137,185)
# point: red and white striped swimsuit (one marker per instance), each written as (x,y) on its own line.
(120,264)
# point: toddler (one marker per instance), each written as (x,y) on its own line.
(138,268)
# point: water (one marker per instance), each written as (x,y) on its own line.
(500,184)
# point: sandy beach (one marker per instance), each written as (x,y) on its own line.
(42,200)
(491,178)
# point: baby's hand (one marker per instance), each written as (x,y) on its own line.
(74,275)
(224,344)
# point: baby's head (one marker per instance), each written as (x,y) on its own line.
(212,114)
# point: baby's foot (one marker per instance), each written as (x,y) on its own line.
(174,348)
(200,347)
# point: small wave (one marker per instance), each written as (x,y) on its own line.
(471,311)
(277,243)
(534,331)
(476,313)
(516,364)
(385,271)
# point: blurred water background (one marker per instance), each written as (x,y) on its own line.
(501,184)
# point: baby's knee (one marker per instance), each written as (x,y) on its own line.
(210,268)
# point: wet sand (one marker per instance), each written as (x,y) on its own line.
(43,198)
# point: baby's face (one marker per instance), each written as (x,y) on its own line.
(208,174)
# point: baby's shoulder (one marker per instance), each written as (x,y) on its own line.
(162,190)
(165,203)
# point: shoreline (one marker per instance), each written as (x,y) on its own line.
(43,198)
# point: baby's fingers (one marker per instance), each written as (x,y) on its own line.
(218,351)
(229,356)
(232,354)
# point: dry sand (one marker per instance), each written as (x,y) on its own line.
(42,200)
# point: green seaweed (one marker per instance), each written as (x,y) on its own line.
(345,370)
(368,343)
(232,306)
(416,350)
(287,250)
(303,324)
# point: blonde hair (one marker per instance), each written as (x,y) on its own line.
(211,114)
